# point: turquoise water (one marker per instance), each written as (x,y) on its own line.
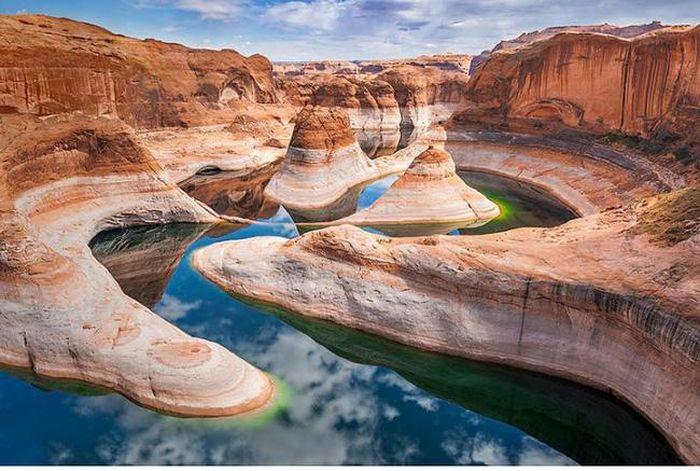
(351,398)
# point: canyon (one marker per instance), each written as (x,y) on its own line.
(102,132)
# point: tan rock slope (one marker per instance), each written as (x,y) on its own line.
(429,193)
(648,85)
(63,180)
(55,65)
(600,300)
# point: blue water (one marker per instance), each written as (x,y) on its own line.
(352,398)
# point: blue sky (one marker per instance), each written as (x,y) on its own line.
(350,29)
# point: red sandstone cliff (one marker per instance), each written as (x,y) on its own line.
(54,65)
(648,86)
(546,33)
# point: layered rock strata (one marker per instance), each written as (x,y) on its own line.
(586,177)
(400,96)
(63,180)
(647,86)
(546,33)
(429,193)
(323,163)
(609,300)
(55,65)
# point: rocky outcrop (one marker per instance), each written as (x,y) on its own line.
(323,162)
(428,194)
(55,65)
(63,180)
(647,86)
(587,177)
(596,300)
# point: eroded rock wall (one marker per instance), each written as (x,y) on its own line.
(598,300)
(55,65)
(642,86)
(400,96)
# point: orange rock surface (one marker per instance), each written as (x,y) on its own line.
(645,85)
(401,95)
(55,65)
(428,198)
(546,33)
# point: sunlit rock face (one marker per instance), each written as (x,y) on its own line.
(609,299)
(62,180)
(323,163)
(54,65)
(429,193)
(645,85)
(546,33)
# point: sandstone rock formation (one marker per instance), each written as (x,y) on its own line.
(599,300)
(647,86)
(402,95)
(63,180)
(323,162)
(429,193)
(55,65)
(584,176)
(546,33)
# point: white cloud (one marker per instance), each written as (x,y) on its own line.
(213,9)
(317,14)
(172,308)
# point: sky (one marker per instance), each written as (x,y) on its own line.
(351,29)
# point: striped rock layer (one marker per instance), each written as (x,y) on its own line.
(429,192)
(324,162)
(62,315)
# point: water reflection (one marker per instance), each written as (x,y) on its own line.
(234,193)
(379,143)
(588,426)
(353,398)
(521,205)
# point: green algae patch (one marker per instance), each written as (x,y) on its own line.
(249,421)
